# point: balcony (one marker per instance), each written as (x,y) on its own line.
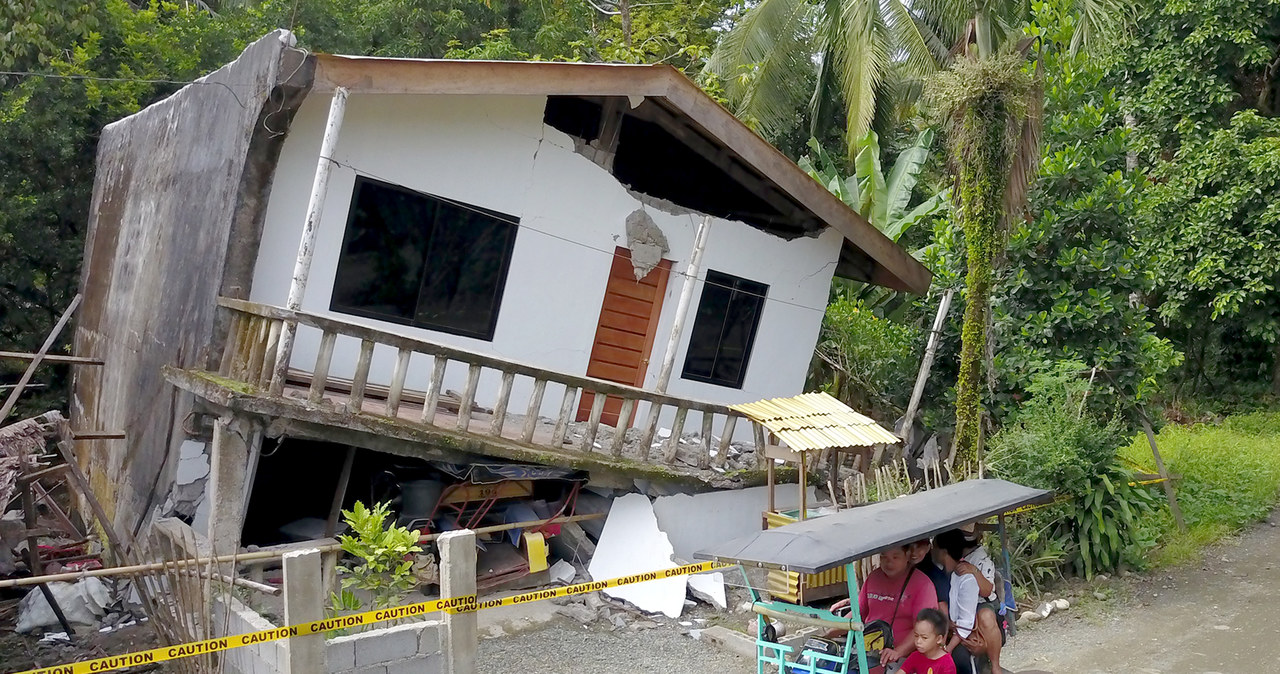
(694,444)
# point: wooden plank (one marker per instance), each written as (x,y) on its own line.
(1167,484)
(611,371)
(18,388)
(562,421)
(726,438)
(51,358)
(534,410)
(620,428)
(614,355)
(320,374)
(650,428)
(355,402)
(620,305)
(620,338)
(635,291)
(468,397)
(704,457)
(433,393)
(673,442)
(758,431)
(97,435)
(403,357)
(627,322)
(593,423)
(500,407)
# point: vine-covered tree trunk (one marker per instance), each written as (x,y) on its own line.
(983,173)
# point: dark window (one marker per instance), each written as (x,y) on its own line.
(420,260)
(724,329)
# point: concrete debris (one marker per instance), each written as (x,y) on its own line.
(1061,604)
(562,572)
(632,544)
(709,587)
(647,243)
(83,602)
(578,613)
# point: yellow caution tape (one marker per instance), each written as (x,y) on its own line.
(467,604)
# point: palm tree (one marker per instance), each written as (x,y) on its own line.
(785,59)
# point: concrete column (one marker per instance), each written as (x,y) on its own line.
(303,602)
(234,440)
(458,579)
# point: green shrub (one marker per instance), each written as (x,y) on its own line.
(385,571)
(864,360)
(1055,444)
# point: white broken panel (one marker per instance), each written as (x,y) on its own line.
(694,523)
(630,544)
(709,587)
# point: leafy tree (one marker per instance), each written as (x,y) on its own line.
(385,569)
(862,58)
(1187,67)
(1212,229)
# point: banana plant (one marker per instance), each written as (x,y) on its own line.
(882,201)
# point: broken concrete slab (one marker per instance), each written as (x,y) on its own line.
(709,587)
(632,543)
(695,522)
(562,572)
(83,602)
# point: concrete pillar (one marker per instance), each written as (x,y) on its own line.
(458,579)
(235,440)
(303,602)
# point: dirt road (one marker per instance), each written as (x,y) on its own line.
(1220,616)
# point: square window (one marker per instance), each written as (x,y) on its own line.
(420,260)
(724,330)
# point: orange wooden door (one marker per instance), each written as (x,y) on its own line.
(624,335)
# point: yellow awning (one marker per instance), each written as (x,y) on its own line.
(816,421)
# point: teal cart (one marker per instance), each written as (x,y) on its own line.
(841,539)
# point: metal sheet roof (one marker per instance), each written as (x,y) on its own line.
(816,421)
(815,545)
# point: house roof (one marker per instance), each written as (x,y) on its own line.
(662,136)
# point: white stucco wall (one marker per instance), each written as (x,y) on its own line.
(496,153)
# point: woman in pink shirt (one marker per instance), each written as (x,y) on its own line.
(895,593)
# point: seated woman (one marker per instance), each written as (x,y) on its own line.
(895,593)
(977,632)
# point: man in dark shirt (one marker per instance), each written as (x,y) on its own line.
(918,554)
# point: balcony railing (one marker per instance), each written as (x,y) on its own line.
(249,357)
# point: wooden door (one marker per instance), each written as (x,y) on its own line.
(624,335)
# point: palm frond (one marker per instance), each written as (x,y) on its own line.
(1025,162)
(871,187)
(916,40)
(1099,20)
(862,46)
(765,63)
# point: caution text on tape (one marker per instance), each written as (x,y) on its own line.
(455,605)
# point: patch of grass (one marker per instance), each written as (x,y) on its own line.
(1230,479)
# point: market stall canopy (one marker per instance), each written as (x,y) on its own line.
(816,545)
(816,421)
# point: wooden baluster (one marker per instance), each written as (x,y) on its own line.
(593,422)
(269,358)
(704,456)
(500,407)
(433,393)
(650,428)
(356,404)
(758,431)
(673,442)
(468,397)
(397,382)
(624,423)
(726,437)
(562,421)
(320,374)
(535,409)
(257,350)
(232,345)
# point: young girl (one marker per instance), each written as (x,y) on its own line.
(930,656)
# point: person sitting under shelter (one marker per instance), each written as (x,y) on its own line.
(972,611)
(895,592)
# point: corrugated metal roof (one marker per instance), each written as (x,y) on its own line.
(816,421)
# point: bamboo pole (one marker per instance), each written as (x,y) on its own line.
(37,358)
(682,306)
(922,377)
(261,555)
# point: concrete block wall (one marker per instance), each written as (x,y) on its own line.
(401,649)
(261,658)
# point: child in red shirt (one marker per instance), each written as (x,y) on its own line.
(930,656)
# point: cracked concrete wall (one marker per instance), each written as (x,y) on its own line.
(177,198)
(496,153)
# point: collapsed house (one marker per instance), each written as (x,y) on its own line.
(317,279)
